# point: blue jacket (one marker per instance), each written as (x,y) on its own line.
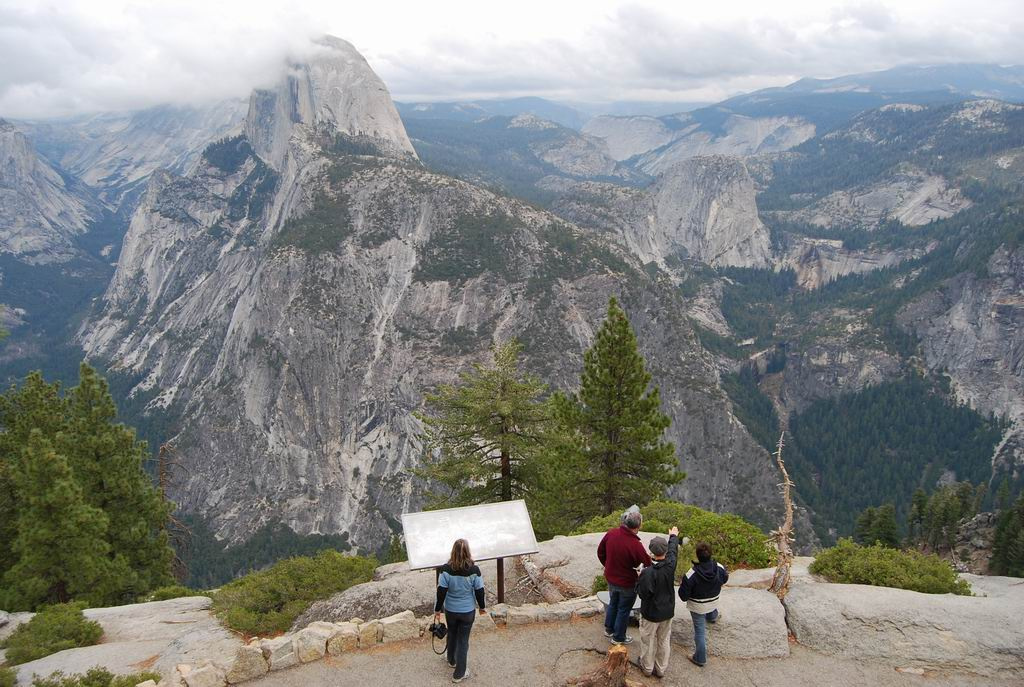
(456,590)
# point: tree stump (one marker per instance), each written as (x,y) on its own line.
(611,674)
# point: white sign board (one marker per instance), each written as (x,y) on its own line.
(493,530)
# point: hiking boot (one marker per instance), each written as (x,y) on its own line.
(609,634)
(460,679)
(627,640)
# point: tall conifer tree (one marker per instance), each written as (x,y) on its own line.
(60,544)
(104,463)
(36,405)
(108,464)
(483,435)
(617,455)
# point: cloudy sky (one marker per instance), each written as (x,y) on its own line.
(61,57)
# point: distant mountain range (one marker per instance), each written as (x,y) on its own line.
(823,102)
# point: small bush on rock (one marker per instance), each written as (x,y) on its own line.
(880,566)
(174,591)
(600,584)
(53,629)
(270,600)
(94,677)
(8,677)
(735,542)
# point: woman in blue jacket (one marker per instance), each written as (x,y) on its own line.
(459,585)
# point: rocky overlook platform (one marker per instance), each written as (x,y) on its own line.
(821,633)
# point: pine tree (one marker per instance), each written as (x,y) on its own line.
(105,464)
(884,529)
(108,465)
(35,405)
(396,550)
(483,436)
(864,528)
(915,521)
(1003,494)
(617,455)
(1008,543)
(60,544)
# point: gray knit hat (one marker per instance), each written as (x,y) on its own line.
(658,546)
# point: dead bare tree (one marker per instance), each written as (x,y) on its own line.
(550,586)
(178,533)
(783,537)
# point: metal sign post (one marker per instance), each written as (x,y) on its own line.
(501,580)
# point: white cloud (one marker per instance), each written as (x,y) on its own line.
(119,54)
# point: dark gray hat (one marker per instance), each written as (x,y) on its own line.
(658,546)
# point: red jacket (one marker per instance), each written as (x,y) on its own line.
(621,551)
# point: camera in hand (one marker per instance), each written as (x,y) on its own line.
(438,630)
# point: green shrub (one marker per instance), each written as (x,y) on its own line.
(174,591)
(734,541)
(54,628)
(94,677)
(600,584)
(8,677)
(270,600)
(878,565)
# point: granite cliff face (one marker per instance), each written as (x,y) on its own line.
(336,88)
(972,330)
(114,153)
(292,309)
(41,212)
(703,208)
(655,145)
(819,261)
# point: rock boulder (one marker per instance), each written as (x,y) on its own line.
(909,629)
(399,627)
(249,664)
(280,652)
(346,638)
(173,631)
(752,625)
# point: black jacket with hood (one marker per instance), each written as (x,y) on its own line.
(656,586)
(702,585)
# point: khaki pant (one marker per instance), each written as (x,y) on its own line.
(655,646)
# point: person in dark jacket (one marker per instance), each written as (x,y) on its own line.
(700,590)
(621,552)
(656,589)
(458,586)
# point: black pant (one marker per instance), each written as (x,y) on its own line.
(459,625)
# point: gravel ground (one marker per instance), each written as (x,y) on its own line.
(548,654)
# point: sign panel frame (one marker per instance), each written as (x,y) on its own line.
(481,525)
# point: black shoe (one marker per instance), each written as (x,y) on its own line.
(627,640)
(694,662)
(609,633)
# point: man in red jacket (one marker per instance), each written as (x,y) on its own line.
(621,552)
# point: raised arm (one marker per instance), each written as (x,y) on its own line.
(672,554)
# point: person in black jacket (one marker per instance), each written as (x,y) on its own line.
(658,604)
(700,590)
